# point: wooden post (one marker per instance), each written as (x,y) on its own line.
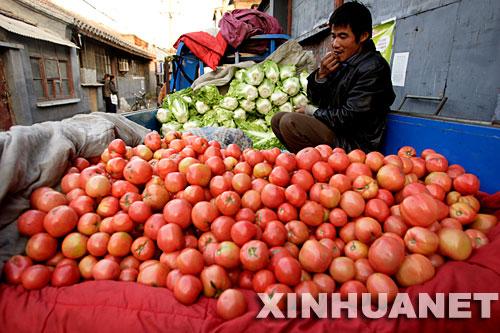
(289,18)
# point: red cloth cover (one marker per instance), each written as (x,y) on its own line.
(238,25)
(109,306)
(206,47)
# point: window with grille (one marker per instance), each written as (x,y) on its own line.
(51,78)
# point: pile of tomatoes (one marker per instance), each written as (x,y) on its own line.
(182,213)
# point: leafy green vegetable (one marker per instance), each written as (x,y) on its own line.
(240,74)
(239,114)
(243,91)
(287,71)
(271,70)
(287,107)
(266,88)
(278,97)
(170,126)
(228,102)
(254,75)
(208,94)
(179,108)
(163,115)
(263,105)
(303,80)
(300,100)
(247,105)
(291,86)
(223,114)
(201,107)
(263,140)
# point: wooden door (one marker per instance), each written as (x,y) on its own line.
(6,118)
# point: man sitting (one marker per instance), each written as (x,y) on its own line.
(352,89)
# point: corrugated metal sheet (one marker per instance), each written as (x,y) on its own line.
(31,31)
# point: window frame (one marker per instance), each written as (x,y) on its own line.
(52,87)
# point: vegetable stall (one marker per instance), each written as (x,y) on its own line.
(117,228)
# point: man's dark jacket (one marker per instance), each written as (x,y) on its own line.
(355,100)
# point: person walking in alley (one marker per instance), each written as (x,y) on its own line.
(352,90)
(109,93)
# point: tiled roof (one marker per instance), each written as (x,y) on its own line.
(89,29)
(86,27)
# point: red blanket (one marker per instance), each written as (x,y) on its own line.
(205,47)
(109,306)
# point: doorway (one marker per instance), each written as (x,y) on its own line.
(6,117)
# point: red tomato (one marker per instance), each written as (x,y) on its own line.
(190,261)
(203,214)
(221,228)
(286,160)
(386,255)
(415,269)
(419,210)
(312,213)
(170,238)
(60,221)
(274,233)
(307,157)
(251,200)
(272,196)
(363,269)
(178,211)
(31,222)
(241,183)
(262,280)
(41,247)
(143,248)
(342,269)
(302,178)
(421,240)
(391,178)
(231,304)
(254,255)
(322,171)
(119,244)
(243,231)
(352,203)
(279,176)
(106,269)
(340,182)
(395,225)
(14,268)
(74,245)
(227,255)
(367,229)
(187,289)
(379,283)
(198,174)
(315,257)
(466,184)
(454,243)
(288,271)
(35,277)
(153,275)
(228,203)
(374,160)
(215,280)
(337,217)
(65,275)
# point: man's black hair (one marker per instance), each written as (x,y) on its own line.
(355,15)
